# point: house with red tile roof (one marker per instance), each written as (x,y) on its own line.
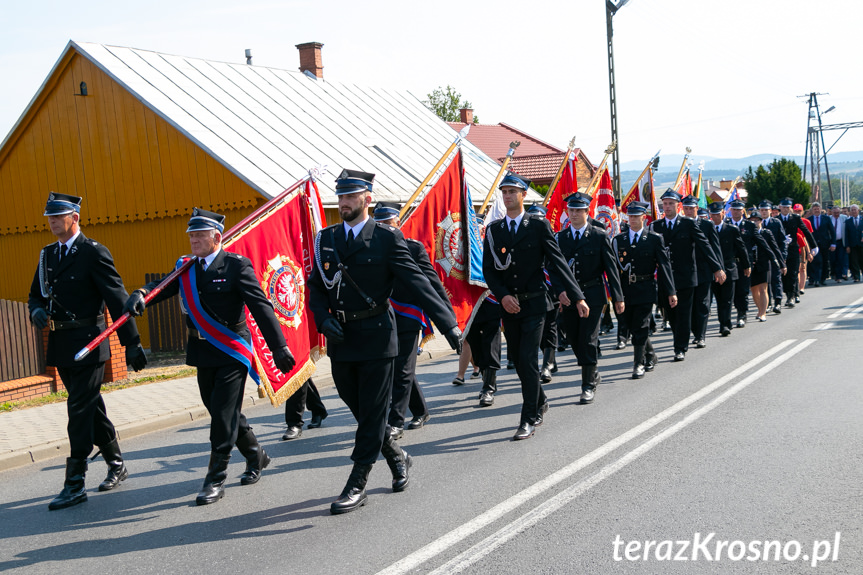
(534,159)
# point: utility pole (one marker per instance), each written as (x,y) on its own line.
(610,10)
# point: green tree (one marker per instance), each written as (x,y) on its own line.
(446,103)
(780,179)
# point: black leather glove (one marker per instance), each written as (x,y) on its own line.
(135,357)
(333,330)
(453,338)
(284,359)
(135,304)
(39,317)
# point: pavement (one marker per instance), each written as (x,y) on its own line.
(31,435)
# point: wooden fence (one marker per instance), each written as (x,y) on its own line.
(21,351)
(166,321)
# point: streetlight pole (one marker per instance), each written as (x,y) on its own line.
(610,10)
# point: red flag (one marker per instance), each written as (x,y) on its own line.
(281,247)
(602,206)
(642,191)
(566,186)
(440,223)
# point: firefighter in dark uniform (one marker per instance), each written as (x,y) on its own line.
(75,280)
(682,238)
(358,262)
(587,250)
(643,262)
(226,285)
(701,295)
(774,225)
(735,257)
(483,335)
(406,390)
(516,248)
(548,342)
(754,243)
(791,222)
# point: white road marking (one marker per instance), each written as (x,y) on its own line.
(458,534)
(528,520)
(822,326)
(845,309)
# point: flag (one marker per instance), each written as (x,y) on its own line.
(602,206)
(280,245)
(685,187)
(443,224)
(496,209)
(566,186)
(734,195)
(699,193)
(314,198)
(642,191)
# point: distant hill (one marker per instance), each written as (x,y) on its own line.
(671,162)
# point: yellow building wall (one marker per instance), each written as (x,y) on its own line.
(139,178)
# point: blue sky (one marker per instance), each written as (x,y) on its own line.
(720,77)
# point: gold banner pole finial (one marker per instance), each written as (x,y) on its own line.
(500,173)
(682,167)
(559,173)
(594,181)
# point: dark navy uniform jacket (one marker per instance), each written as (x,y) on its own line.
(403,293)
(523,258)
(83,282)
(682,242)
(791,225)
(772,256)
(704,273)
(754,241)
(778,231)
(588,260)
(733,249)
(644,259)
(225,290)
(374,261)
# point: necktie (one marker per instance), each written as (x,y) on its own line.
(635,239)
(816,223)
(856,222)
(203,263)
(670,224)
(577,236)
(512,228)
(350,237)
(64,249)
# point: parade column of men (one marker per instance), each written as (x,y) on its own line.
(734,259)
(701,294)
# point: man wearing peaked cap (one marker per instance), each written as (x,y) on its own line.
(791,222)
(75,281)
(683,238)
(226,285)
(407,393)
(517,250)
(358,264)
(735,257)
(701,295)
(754,244)
(774,226)
(548,342)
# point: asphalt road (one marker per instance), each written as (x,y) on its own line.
(752,445)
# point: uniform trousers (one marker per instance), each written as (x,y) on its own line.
(700,310)
(724,297)
(305,397)
(637,317)
(855,259)
(484,340)
(741,295)
(775,276)
(366,388)
(583,333)
(549,330)
(88,423)
(406,389)
(523,334)
(222,391)
(680,318)
(791,277)
(819,267)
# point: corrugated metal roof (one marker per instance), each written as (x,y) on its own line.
(270,126)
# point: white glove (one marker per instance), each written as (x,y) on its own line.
(814,252)
(787,239)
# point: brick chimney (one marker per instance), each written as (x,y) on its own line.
(310,58)
(466,115)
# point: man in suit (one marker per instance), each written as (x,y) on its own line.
(588,252)
(854,241)
(409,317)
(643,262)
(754,242)
(774,225)
(226,285)
(701,294)
(357,268)
(682,239)
(838,257)
(516,250)
(791,223)
(734,257)
(75,280)
(825,238)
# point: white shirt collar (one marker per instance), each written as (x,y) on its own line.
(209,259)
(517,220)
(671,222)
(633,234)
(581,230)
(71,240)
(357,228)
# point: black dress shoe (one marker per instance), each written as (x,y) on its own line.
(679,356)
(796,299)
(777,309)
(638,371)
(419,421)
(789,304)
(510,364)
(620,345)
(317,421)
(700,344)
(293,432)
(587,396)
(725,331)
(458,381)
(396,433)
(486,398)
(524,431)
(475,374)
(741,322)
(354,494)
(543,409)
(666,326)
(545,374)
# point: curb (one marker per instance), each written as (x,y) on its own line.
(54,449)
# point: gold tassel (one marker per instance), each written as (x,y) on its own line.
(261,393)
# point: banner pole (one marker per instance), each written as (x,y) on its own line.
(682,167)
(500,173)
(461,136)
(559,173)
(234,231)
(595,179)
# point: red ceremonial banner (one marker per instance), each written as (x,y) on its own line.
(280,245)
(440,223)
(602,206)
(566,186)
